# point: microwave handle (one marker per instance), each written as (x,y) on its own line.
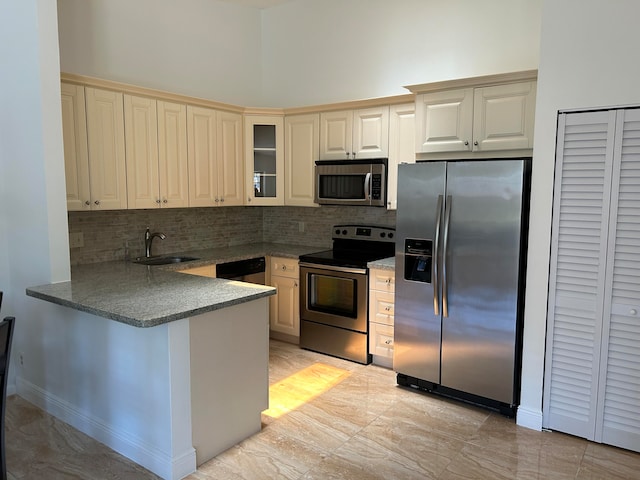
(367,187)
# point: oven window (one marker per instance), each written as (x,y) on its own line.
(334,295)
(346,187)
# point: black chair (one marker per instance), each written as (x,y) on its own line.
(6,334)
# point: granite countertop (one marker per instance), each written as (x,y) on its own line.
(146,296)
(384,264)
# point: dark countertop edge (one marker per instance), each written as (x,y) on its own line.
(154,321)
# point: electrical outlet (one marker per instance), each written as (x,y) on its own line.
(76,240)
(301,227)
(21,359)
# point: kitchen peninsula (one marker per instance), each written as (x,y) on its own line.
(177,375)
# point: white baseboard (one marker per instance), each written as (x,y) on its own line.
(121,441)
(529,418)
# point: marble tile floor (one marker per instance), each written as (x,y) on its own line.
(363,427)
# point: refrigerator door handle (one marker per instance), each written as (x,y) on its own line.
(435,275)
(445,243)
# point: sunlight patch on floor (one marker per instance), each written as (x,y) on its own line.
(302,387)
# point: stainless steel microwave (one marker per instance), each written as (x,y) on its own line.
(351,182)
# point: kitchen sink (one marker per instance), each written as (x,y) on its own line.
(163,260)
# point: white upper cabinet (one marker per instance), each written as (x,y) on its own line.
(302,147)
(489,118)
(264,157)
(76,158)
(156,146)
(105,133)
(402,133)
(215,157)
(354,134)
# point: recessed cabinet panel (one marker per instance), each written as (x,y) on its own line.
(201,141)
(445,121)
(230,164)
(105,132)
(371,133)
(302,149)
(172,154)
(141,140)
(402,134)
(76,160)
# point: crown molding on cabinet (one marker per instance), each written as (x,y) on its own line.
(483,81)
(352,105)
(147,92)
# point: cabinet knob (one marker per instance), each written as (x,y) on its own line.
(221,200)
(388,342)
(157,200)
(388,281)
(353,154)
(633,311)
(217,200)
(248,199)
(387,308)
(466,143)
(97,202)
(165,201)
(295,284)
(87,202)
(475,143)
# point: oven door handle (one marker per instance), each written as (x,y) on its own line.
(333,268)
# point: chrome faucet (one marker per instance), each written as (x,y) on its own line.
(148,240)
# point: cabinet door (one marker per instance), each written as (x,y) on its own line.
(105,133)
(76,159)
(504,116)
(141,141)
(336,135)
(402,134)
(285,306)
(302,148)
(370,133)
(201,151)
(444,121)
(230,165)
(172,155)
(264,155)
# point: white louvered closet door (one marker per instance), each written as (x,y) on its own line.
(592,379)
(618,421)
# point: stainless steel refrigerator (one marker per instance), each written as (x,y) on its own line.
(460,261)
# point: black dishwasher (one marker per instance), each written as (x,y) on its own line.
(250,270)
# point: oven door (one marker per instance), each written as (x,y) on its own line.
(334,296)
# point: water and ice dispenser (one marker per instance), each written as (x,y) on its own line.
(417,259)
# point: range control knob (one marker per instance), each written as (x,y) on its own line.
(382,234)
(337,231)
(390,234)
(344,232)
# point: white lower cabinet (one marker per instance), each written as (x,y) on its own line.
(381,315)
(284,306)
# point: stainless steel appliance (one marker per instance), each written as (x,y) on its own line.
(460,261)
(351,182)
(334,291)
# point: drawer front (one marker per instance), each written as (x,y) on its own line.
(383,280)
(285,267)
(381,307)
(381,340)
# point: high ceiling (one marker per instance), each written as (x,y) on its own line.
(258,3)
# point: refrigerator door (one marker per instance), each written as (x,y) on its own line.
(481,277)
(417,319)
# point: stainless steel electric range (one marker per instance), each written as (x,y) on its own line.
(334,291)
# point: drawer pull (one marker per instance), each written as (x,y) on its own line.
(388,342)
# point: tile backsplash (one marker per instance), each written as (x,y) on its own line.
(118,234)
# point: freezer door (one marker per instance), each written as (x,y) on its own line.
(481,277)
(417,318)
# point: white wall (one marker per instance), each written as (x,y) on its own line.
(202,48)
(300,53)
(34,241)
(588,58)
(338,50)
